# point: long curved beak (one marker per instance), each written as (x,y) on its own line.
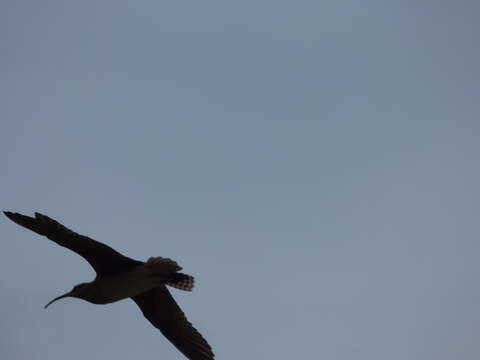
(58,298)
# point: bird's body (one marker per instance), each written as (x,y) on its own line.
(119,277)
(122,285)
(119,286)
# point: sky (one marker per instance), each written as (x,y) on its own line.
(313,164)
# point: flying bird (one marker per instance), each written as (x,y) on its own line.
(119,277)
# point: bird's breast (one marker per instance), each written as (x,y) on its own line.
(124,285)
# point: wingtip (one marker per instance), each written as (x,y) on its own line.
(13,216)
(40,216)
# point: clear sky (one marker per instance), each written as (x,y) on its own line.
(315,165)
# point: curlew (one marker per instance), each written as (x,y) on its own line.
(119,277)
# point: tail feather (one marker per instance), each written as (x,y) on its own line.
(168,270)
(163,265)
(182,281)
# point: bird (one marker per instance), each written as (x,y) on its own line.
(119,277)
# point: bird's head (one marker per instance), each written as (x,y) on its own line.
(81,291)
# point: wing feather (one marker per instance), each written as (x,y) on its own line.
(101,257)
(159,307)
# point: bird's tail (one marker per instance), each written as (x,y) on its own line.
(175,279)
(162,265)
(182,281)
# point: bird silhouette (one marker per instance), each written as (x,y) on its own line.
(119,277)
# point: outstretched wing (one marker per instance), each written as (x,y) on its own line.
(159,307)
(103,258)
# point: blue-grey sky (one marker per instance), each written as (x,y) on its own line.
(315,165)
